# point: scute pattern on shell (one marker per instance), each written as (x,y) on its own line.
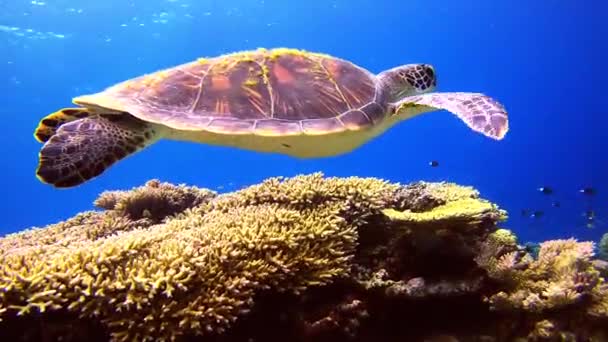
(278,90)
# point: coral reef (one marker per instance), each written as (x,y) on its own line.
(603,247)
(154,200)
(307,258)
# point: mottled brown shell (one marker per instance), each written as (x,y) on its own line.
(267,92)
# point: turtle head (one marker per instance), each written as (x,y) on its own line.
(409,79)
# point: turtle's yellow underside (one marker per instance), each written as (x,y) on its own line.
(300,146)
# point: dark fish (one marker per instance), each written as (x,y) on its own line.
(587,191)
(433,163)
(532,248)
(537,214)
(591,219)
(589,215)
(545,190)
(556,204)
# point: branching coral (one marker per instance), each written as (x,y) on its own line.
(467,209)
(73,233)
(358,197)
(198,272)
(561,275)
(126,210)
(423,249)
(155,200)
(501,257)
(423,196)
(302,258)
(547,330)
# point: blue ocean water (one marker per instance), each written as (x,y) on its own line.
(544,60)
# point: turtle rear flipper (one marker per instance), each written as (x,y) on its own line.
(84,148)
(50,123)
(480,112)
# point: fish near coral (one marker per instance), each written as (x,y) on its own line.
(292,102)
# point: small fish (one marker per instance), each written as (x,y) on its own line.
(591,219)
(587,191)
(545,190)
(589,215)
(556,204)
(433,163)
(537,214)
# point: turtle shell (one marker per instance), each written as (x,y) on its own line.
(265,92)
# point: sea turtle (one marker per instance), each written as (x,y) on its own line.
(299,103)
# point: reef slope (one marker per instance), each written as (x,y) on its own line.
(307,258)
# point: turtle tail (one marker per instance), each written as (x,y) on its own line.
(84,148)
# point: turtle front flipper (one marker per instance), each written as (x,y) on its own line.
(84,148)
(480,112)
(50,123)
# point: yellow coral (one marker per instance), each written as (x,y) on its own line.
(451,192)
(77,231)
(355,194)
(599,307)
(544,329)
(200,270)
(213,263)
(155,200)
(560,276)
(504,237)
(164,261)
(469,209)
(499,255)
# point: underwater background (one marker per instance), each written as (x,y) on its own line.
(544,60)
